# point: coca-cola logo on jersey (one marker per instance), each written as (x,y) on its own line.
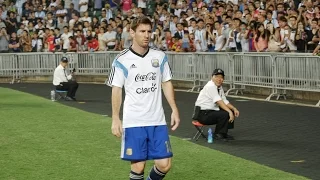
(151,76)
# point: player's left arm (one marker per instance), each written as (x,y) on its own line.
(169,94)
(168,91)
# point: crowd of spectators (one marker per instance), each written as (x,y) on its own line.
(180,26)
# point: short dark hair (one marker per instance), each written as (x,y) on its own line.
(138,21)
(200,20)
(283,19)
(294,17)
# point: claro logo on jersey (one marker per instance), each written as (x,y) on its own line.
(151,76)
(143,90)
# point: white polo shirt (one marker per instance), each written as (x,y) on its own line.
(141,77)
(209,95)
(110,35)
(83,8)
(65,39)
(60,75)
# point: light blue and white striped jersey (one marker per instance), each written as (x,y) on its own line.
(141,77)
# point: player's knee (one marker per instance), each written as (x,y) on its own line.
(138,167)
(164,165)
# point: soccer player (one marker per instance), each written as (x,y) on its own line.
(143,72)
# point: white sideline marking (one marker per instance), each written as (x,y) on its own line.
(258,99)
(298,161)
(242,100)
(274,101)
(186,139)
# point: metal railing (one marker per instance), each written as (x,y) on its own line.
(278,72)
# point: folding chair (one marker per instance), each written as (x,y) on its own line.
(200,130)
(61,94)
(197,125)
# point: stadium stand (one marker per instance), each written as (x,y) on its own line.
(180,26)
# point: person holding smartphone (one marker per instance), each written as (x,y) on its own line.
(242,37)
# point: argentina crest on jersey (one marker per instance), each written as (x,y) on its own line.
(155,62)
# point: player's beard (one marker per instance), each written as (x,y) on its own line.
(145,44)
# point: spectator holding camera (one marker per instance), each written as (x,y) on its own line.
(25,41)
(200,40)
(301,37)
(14,45)
(219,38)
(209,38)
(4,41)
(11,23)
(242,37)
(2,24)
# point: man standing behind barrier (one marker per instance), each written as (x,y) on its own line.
(62,80)
(143,72)
(215,108)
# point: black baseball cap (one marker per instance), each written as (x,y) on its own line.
(217,72)
(64,59)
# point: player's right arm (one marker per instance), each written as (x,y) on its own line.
(116,104)
(116,80)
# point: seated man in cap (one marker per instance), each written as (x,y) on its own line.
(62,80)
(215,108)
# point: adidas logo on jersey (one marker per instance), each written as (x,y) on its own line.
(133,66)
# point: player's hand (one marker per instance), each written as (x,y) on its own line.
(231,117)
(116,127)
(236,112)
(175,120)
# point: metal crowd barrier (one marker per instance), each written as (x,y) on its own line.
(98,63)
(182,66)
(203,67)
(8,66)
(254,70)
(276,71)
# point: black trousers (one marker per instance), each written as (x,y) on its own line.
(220,118)
(71,87)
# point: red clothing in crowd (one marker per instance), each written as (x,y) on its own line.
(169,43)
(50,42)
(73,46)
(93,44)
(126,5)
(83,39)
